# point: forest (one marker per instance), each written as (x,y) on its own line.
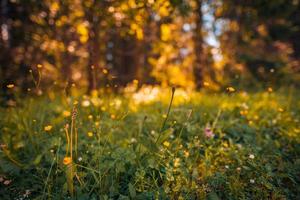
(150,99)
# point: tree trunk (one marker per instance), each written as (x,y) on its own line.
(150,35)
(5,58)
(198,42)
(94,52)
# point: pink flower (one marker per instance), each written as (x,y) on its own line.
(208,132)
(7,182)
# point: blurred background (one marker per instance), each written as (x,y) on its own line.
(97,44)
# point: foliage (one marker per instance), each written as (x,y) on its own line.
(86,111)
(168,42)
(258,37)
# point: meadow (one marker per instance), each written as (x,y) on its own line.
(152,144)
(150,100)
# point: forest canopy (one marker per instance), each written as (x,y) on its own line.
(96,44)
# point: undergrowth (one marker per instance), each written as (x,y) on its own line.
(209,146)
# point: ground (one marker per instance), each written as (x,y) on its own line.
(227,145)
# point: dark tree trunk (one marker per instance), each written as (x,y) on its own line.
(67,71)
(5,57)
(296,35)
(198,42)
(94,51)
(150,33)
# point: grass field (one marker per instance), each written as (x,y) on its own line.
(235,145)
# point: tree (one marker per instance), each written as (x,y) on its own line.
(258,35)
(198,40)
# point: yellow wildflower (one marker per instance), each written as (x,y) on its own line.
(66,113)
(85,103)
(206,84)
(166,143)
(97,124)
(90,134)
(48,128)
(186,154)
(244,112)
(230,89)
(280,109)
(94,93)
(104,71)
(10,86)
(39,66)
(67,160)
(90,116)
(270,89)
(177,162)
(225,144)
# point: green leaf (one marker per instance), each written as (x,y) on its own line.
(165,135)
(123,197)
(212,196)
(38,159)
(148,143)
(120,167)
(132,191)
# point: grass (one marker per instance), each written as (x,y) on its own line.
(132,147)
